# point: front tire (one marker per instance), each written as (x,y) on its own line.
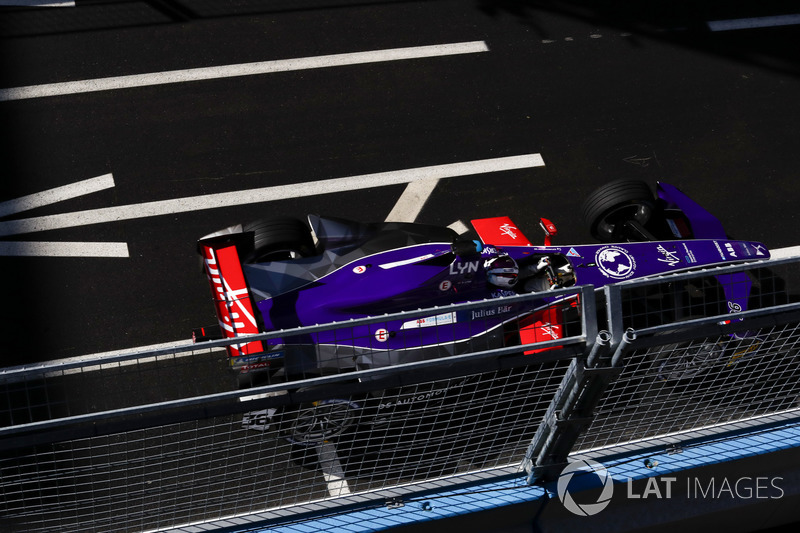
(608,208)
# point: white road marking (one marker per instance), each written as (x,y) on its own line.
(59,194)
(459,227)
(756,22)
(97,361)
(38,3)
(783,253)
(64,249)
(266,194)
(412,200)
(332,470)
(244,69)
(60,249)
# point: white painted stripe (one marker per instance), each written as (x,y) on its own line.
(404,262)
(97,361)
(38,3)
(783,253)
(59,194)
(262,396)
(64,249)
(756,22)
(266,194)
(459,227)
(412,200)
(244,69)
(332,470)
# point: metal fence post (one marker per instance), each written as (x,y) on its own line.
(569,412)
(581,389)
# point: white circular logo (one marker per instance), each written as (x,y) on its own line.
(585,467)
(360,269)
(615,262)
(445,285)
(382,335)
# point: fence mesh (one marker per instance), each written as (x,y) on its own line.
(685,372)
(153,441)
(95,447)
(679,386)
(324,445)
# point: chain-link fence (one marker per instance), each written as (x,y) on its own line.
(701,358)
(86,449)
(167,439)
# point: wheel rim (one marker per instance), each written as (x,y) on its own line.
(609,225)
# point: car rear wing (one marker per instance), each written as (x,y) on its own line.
(231,296)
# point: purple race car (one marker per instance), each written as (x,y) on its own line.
(282,274)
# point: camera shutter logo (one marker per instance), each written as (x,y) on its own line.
(582,468)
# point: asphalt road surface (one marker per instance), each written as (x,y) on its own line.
(106,264)
(131,129)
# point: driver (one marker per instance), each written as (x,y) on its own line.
(502,272)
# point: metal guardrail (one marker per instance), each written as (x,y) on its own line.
(173,445)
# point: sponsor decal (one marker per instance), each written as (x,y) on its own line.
(446,285)
(255,362)
(494,311)
(674,228)
(759,249)
(231,298)
(669,257)
(615,262)
(733,307)
(690,258)
(459,268)
(550,330)
(260,357)
(573,253)
(255,366)
(258,420)
(489,250)
(382,335)
(426,396)
(430,321)
(360,269)
(508,229)
(719,250)
(730,249)
(502,293)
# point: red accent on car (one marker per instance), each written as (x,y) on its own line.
(231,297)
(543,325)
(549,230)
(500,231)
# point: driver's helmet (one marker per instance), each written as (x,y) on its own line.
(502,271)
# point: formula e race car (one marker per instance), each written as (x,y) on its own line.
(281,274)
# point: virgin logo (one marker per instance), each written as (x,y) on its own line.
(508,229)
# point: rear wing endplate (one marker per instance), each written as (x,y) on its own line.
(231,296)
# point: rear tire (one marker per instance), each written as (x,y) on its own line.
(279,239)
(608,208)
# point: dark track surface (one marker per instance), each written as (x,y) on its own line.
(601,94)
